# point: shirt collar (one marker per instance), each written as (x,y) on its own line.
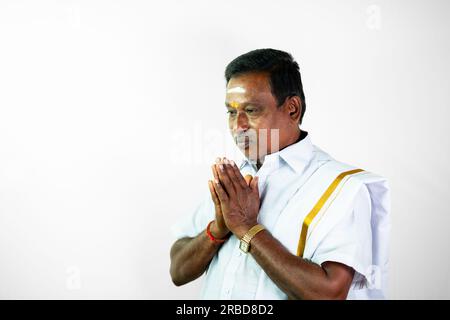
(297,155)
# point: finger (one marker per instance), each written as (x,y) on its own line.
(214,196)
(230,172)
(214,171)
(237,184)
(254,185)
(225,180)
(220,191)
(240,179)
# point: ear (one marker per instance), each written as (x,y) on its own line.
(294,106)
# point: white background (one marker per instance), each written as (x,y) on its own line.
(111,112)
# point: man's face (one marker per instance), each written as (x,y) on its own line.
(253,114)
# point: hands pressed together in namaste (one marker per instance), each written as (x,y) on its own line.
(236,199)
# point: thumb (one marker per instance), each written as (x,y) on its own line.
(248,179)
(254,184)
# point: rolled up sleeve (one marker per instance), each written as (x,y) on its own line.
(194,222)
(350,242)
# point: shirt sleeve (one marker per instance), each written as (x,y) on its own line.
(194,222)
(350,242)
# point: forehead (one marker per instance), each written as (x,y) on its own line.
(249,86)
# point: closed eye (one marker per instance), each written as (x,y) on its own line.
(251,110)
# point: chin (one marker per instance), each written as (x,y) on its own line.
(249,154)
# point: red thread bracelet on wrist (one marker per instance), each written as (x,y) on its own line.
(211,237)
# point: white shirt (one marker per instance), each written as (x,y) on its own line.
(233,274)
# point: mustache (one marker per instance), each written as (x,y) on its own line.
(244,138)
(250,136)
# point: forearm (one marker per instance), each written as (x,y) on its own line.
(190,257)
(297,277)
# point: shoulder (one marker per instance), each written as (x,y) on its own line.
(335,168)
(352,177)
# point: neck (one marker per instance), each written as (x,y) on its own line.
(295,138)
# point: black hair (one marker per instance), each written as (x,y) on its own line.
(283,70)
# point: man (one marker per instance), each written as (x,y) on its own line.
(305,227)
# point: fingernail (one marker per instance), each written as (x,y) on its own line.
(232,162)
(221,167)
(216,181)
(217,160)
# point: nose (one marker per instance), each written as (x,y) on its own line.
(241,124)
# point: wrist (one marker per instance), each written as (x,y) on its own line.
(245,244)
(216,232)
(242,230)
